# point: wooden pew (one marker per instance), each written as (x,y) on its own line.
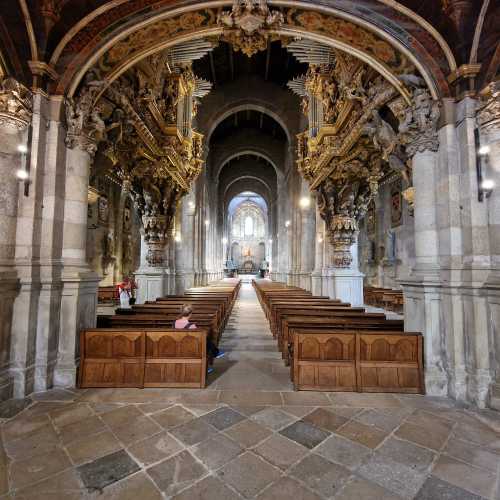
(329,319)
(358,360)
(129,357)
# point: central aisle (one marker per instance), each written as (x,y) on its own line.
(252,360)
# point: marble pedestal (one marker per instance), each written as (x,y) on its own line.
(152,283)
(346,285)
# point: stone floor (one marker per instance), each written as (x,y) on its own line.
(248,435)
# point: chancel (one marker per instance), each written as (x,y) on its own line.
(250,249)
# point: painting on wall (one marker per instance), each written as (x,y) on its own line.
(396,204)
(103,210)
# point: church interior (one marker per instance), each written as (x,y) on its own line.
(250,249)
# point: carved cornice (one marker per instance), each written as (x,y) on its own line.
(488,116)
(16,105)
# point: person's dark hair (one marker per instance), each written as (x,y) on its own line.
(186,311)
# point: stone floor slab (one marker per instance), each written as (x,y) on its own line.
(176,473)
(209,488)
(193,432)
(31,470)
(248,433)
(107,470)
(285,489)
(477,481)
(223,418)
(86,450)
(273,418)
(155,448)
(280,451)
(137,486)
(393,476)
(366,435)
(321,475)
(436,489)
(216,451)
(305,434)
(248,474)
(137,430)
(361,489)
(172,417)
(42,440)
(343,451)
(325,419)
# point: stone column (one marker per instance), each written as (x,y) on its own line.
(15,116)
(307,236)
(79,283)
(489,126)
(421,290)
(186,247)
(319,244)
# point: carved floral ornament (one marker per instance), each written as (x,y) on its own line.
(16,106)
(247,26)
(139,130)
(350,147)
(488,116)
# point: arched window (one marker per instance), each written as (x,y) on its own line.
(248,222)
(248,226)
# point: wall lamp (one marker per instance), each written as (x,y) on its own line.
(305,202)
(287,223)
(207,222)
(485,185)
(23,174)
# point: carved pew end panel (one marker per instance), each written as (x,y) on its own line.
(358,361)
(325,362)
(152,358)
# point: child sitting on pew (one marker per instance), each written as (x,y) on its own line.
(183,323)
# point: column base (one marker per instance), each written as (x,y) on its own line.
(346,285)
(78,312)
(152,283)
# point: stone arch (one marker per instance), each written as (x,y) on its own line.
(174,23)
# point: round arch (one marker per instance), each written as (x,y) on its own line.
(203,23)
(262,107)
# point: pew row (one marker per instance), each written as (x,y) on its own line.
(331,346)
(114,357)
(357,360)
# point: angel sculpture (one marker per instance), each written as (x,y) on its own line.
(383,135)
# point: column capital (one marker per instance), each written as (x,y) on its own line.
(418,125)
(488,115)
(16,106)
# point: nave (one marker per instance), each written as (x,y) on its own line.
(247,435)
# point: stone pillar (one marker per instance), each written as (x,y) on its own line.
(346,283)
(79,283)
(489,126)
(421,290)
(186,246)
(319,244)
(307,236)
(15,116)
(152,282)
